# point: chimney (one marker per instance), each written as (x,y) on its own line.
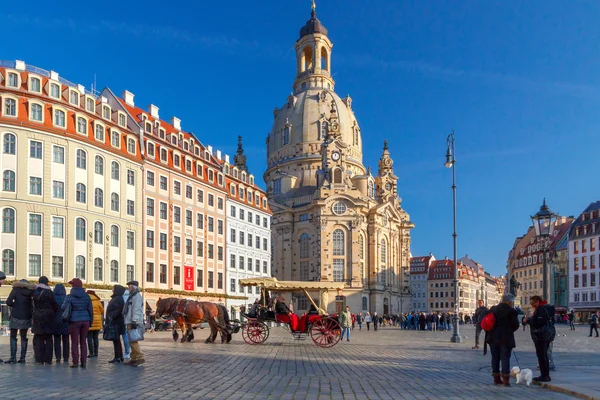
(176,122)
(103,100)
(81,89)
(20,65)
(209,149)
(226,158)
(54,75)
(128,97)
(153,110)
(218,154)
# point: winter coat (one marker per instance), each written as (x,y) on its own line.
(345,319)
(368,319)
(21,304)
(114,310)
(134,309)
(507,322)
(98,309)
(542,315)
(594,320)
(44,311)
(479,314)
(60,294)
(81,305)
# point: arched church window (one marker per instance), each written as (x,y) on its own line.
(308,58)
(337,175)
(383,251)
(304,245)
(286,135)
(324,59)
(338,242)
(277,186)
(364,304)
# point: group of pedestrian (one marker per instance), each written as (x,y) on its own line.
(59,321)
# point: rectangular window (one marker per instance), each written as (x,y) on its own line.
(241,214)
(249,217)
(35,150)
(35,224)
(249,240)
(177,214)
(199,249)
(233,211)
(176,244)
(200,195)
(232,287)
(241,237)
(177,187)
(257,265)
(232,239)
(58,190)
(150,207)
(35,265)
(162,273)
(257,245)
(584,280)
(242,289)
(188,246)
(220,253)
(211,224)
(130,207)
(58,154)
(162,242)
(130,240)
(264,244)
(211,200)
(266,266)
(54,91)
(149,272)
(258,220)
(57,266)
(99,133)
(241,264)
(264,222)
(163,183)
(220,203)
(219,280)
(211,251)
(163,210)
(122,120)
(249,265)
(188,218)
(199,221)
(188,191)
(58,227)
(131,177)
(150,239)
(176,275)
(584,262)
(232,261)
(338,270)
(219,227)
(199,278)
(150,178)
(210,279)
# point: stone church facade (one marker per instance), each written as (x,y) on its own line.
(332,219)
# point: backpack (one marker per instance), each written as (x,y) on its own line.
(488,322)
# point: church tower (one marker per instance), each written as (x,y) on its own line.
(332,220)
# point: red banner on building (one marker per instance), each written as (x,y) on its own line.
(188,280)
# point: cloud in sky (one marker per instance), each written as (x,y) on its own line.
(436,71)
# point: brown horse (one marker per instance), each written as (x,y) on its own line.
(189,312)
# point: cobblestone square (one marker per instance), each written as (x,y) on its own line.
(387,364)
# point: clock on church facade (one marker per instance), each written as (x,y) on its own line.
(332,220)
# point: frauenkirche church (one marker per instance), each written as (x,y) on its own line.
(333,220)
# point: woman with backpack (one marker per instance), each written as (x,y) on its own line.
(500,324)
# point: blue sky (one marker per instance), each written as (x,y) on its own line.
(518,81)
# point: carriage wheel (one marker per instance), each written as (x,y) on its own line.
(326,332)
(255,332)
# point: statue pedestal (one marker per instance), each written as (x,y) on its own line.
(517,302)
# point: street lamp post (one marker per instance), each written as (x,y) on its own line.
(451,163)
(543,223)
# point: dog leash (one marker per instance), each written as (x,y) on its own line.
(517,358)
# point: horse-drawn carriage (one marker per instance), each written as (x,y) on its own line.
(322,328)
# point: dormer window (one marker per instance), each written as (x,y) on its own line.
(81,125)
(60,118)
(220,179)
(36,112)
(242,193)
(55,90)
(188,165)
(199,169)
(211,175)
(90,104)
(13,80)
(186,146)
(122,120)
(163,155)
(106,112)
(252,180)
(150,149)
(161,133)
(197,151)
(207,156)
(244,177)
(99,132)
(10,108)
(148,127)
(74,98)
(35,85)
(115,139)
(265,204)
(232,190)
(173,139)
(176,160)
(131,146)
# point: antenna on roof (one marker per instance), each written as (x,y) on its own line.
(94,91)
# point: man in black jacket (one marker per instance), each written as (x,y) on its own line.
(542,333)
(481,311)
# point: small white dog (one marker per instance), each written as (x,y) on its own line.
(525,375)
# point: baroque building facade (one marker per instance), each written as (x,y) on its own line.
(333,220)
(71,194)
(419,274)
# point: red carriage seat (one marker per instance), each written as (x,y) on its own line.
(303,323)
(286,319)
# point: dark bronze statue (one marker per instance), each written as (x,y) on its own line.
(514,285)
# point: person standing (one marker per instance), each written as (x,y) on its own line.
(92,336)
(542,331)
(359,321)
(593,324)
(2,280)
(368,320)
(114,317)
(61,327)
(43,322)
(572,320)
(501,338)
(134,318)
(346,323)
(126,346)
(82,315)
(375,321)
(480,312)
(21,304)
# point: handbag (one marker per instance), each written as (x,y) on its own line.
(136,334)
(110,331)
(66,314)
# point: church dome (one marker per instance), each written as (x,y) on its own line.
(313,25)
(299,126)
